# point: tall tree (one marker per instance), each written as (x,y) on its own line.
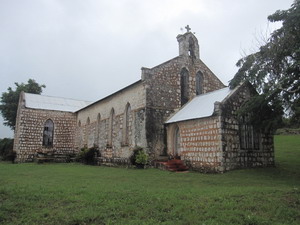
(10,99)
(275,69)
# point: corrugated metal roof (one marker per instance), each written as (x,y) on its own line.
(35,101)
(200,106)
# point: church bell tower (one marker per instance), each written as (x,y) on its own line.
(188,44)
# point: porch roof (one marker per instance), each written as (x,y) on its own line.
(200,106)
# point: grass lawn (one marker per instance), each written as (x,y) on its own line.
(79,194)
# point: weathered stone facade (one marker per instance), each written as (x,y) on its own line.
(112,141)
(163,92)
(29,132)
(234,156)
(213,144)
(137,115)
(200,143)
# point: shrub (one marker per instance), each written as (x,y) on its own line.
(139,157)
(6,149)
(87,155)
(135,152)
(11,156)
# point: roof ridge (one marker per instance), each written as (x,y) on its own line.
(56,97)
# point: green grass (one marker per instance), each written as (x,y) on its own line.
(79,194)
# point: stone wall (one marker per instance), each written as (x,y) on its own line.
(97,131)
(234,156)
(29,132)
(163,94)
(212,144)
(163,81)
(200,143)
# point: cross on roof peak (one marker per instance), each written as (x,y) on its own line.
(188,29)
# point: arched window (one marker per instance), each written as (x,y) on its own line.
(79,123)
(87,132)
(98,129)
(48,133)
(111,127)
(199,83)
(126,124)
(177,141)
(98,118)
(184,86)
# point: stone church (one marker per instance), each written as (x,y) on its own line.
(177,109)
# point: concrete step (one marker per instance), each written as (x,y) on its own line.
(53,157)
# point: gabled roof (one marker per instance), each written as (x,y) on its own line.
(200,106)
(34,101)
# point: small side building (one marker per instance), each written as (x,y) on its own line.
(44,125)
(209,136)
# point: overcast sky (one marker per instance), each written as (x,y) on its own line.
(87,49)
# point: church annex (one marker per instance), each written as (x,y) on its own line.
(177,109)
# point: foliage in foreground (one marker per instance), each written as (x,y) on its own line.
(6,149)
(80,194)
(139,157)
(10,99)
(88,155)
(275,70)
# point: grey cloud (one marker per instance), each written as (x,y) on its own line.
(88,49)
